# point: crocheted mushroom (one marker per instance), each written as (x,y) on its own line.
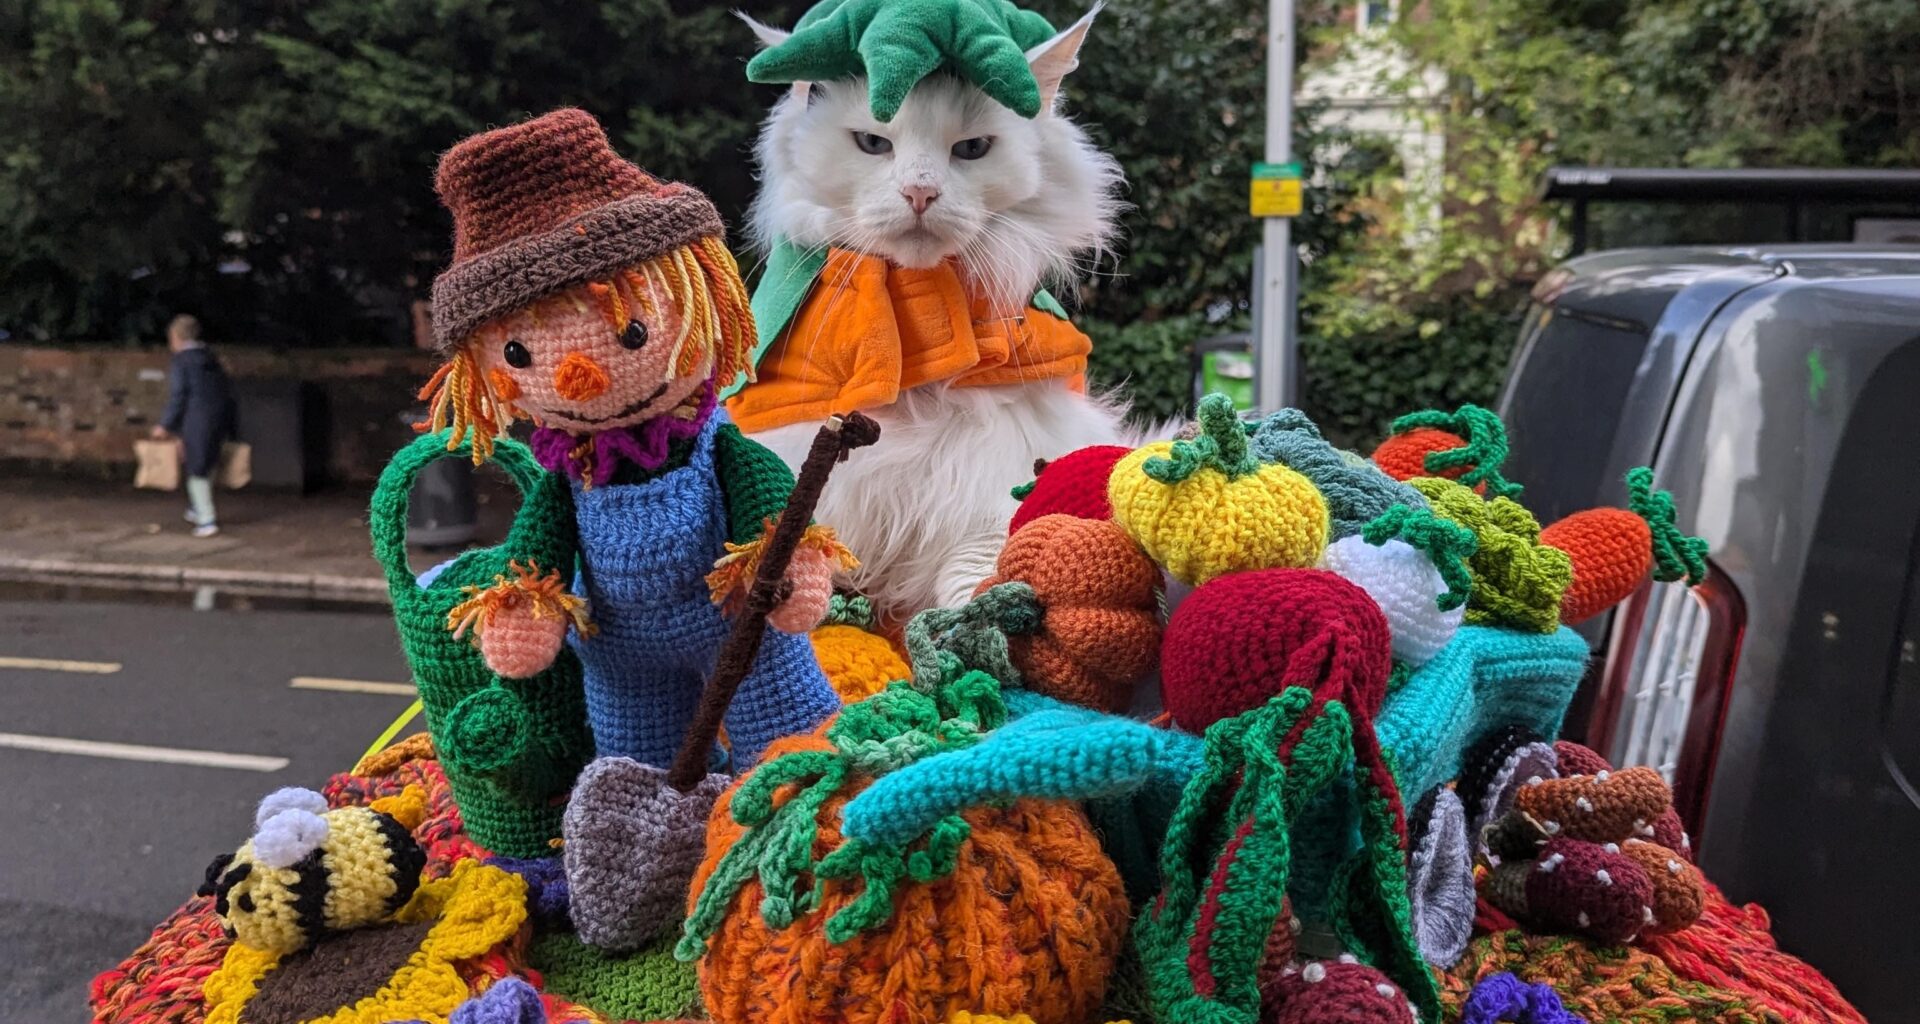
(1343,991)
(1575,886)
(1606,807)
(1074,484)
(1679,890)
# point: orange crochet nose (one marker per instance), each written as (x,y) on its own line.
(579,379)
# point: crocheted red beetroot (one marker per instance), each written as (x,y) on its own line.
(1576,886)
(1074,484)
(1340,991)
(1242,638)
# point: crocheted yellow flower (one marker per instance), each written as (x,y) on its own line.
(400,971)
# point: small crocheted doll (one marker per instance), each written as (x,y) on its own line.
(602,304)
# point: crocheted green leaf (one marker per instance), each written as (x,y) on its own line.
(1676,555)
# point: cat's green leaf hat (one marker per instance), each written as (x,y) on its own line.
(896,43)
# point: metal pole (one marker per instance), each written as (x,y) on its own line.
(1276,354)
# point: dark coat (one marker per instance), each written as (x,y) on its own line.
(200,408)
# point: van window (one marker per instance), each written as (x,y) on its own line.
(1568,386)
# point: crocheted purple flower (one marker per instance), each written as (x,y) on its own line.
(1503,997)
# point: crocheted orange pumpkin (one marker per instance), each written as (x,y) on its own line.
(1030,921)
(1099,627)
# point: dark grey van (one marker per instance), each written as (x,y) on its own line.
(1776,392)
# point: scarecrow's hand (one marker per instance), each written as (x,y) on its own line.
(518,643)
(810,577)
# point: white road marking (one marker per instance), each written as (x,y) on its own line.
(136,752)
(350,685)
(100,668)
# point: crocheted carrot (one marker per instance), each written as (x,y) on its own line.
(1468,445)
(1614,549)
(1206,506)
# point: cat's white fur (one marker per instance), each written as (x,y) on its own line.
(926,509)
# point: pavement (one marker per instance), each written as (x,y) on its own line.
(137,736)
(55,530)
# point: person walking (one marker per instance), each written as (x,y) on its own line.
(200,413)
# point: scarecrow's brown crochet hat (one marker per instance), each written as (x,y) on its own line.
(543,206)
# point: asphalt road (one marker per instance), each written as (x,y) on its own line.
(98,843)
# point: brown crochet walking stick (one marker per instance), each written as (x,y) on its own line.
(831,445)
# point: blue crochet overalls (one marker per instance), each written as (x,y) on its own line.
(647,549)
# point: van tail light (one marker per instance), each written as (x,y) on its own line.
(1663,701)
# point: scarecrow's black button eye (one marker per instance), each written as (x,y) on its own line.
(517,355)
(245,903)
(635,335)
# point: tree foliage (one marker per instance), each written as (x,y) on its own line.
(1417,309)
(145,145)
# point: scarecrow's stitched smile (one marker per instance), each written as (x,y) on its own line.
(621,414)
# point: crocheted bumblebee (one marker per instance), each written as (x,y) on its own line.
(602,304)
(309,871)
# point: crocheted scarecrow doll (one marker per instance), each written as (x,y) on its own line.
(602,304)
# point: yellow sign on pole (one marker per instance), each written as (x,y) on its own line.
(1275,190)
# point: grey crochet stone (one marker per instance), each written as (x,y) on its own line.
(1440,878)
(633,843)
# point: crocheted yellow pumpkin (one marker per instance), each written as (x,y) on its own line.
(1207,507)
(858,663)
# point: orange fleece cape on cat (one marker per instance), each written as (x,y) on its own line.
(858,331)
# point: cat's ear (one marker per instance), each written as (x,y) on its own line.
(768,35)
(1052,60)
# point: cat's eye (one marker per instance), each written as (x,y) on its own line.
(873,144)
(635,335)
(974,148)
(517,355)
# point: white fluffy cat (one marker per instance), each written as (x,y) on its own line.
(1018,203)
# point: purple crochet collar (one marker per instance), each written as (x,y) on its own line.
(593,458)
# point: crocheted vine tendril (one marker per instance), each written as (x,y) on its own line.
(1676,555)
(972,636)
(1447,544)
(849,610)
(1222,444)
(1483,455)
(948,709)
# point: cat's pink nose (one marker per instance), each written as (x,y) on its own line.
(919,196)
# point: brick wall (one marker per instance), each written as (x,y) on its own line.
(77,411)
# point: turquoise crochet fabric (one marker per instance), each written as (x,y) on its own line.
(1357,492)
(1129,773)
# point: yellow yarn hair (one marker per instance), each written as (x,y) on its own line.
(716,330)
(1205,508)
